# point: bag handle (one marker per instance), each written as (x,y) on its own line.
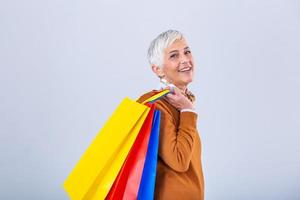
(156,96)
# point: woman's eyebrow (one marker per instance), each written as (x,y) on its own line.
(173,51)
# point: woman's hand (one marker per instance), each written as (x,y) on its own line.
(178,100)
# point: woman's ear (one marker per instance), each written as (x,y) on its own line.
(157,70)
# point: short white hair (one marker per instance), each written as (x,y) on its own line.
(158,45)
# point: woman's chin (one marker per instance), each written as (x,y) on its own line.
(188,80)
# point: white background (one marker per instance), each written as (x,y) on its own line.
(65,66)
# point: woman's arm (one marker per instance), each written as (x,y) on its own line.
(176,144)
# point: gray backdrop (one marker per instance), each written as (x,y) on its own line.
(65,66)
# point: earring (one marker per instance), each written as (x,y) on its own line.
(162,80)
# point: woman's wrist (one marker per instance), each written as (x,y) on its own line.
(188,110)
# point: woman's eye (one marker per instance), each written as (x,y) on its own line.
(173,56)
(187,52)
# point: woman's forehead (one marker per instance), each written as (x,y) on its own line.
(177,45)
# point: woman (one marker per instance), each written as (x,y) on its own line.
(179,167)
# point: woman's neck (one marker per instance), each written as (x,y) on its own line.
(183,88)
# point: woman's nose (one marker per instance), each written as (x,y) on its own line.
(184,59)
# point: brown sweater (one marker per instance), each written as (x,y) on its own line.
(179,168)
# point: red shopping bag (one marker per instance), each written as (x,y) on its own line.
(127,183)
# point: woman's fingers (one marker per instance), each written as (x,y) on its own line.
(173,99)
(171,96)
(178,100)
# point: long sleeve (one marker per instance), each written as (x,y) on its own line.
(177,140)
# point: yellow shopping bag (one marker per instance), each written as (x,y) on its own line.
(94,174)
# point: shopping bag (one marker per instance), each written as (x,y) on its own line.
(127,183)
(99,166)
(147,184)
(97,169)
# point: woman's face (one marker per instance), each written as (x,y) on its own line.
(178,66)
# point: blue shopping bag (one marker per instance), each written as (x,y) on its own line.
(147,184)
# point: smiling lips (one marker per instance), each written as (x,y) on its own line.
(185,69)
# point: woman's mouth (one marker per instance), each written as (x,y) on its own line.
(185,69)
